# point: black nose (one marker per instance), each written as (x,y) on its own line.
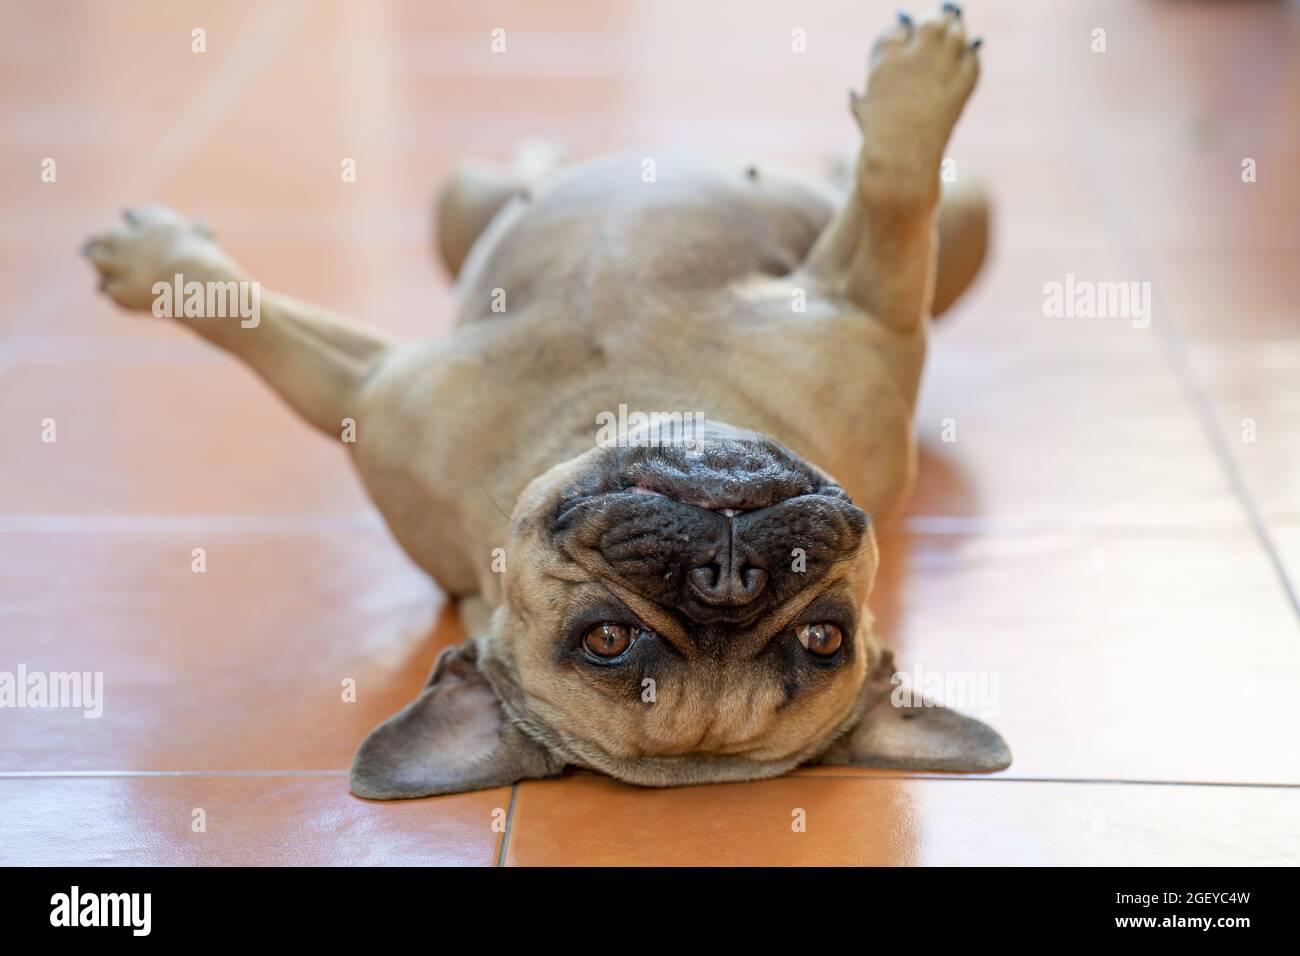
(727,580)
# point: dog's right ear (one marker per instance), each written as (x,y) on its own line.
(453,737)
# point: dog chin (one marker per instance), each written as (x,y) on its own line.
(691,769)
(688,769)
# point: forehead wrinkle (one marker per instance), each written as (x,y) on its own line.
(663,623)
(600,574)
(783,616)
(566,574)
(599,571)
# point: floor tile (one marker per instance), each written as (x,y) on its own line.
(1199,200)
(1286,539)
(200,437)
(1152,657)
(245,666)
(1082,540)
(1013,304)
(1065,437)
(1254,391)
(248,821)
(588,820)
(1230,295)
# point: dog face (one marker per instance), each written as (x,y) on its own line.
(679,614)
(671,615)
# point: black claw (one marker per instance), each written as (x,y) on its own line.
(977,43)
(905,18)
(953,9)
(87,246)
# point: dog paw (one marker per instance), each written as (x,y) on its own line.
(154,244)
(921,75)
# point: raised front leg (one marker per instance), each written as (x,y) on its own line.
(878,252)
(157,261)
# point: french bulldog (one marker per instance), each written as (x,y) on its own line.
(675,594)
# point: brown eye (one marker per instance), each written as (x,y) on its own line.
(820,639)
(608,640)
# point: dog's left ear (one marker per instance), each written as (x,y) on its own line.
(920,736)
(453,737)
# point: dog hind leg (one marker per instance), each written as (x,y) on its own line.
(963,240)
(478,190)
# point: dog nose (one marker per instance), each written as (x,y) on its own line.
(727,581)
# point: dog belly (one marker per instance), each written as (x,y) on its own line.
(603,230)
(609,290)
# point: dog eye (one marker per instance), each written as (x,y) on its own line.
(608,640)
(820,639)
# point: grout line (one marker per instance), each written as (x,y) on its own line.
(366,522)
(514,791)
(1087,781)
(370,521)
(1219,444)
(66,774)
(1179,356)
(1176,352)
(510,822)
(47,349)
(960,525)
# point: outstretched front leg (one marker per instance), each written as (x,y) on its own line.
(878,252)
(157,261)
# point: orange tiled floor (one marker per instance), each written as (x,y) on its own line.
(1101,536)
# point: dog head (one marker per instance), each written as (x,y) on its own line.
(672,614)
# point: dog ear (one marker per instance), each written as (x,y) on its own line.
(453,737)
(920,736)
